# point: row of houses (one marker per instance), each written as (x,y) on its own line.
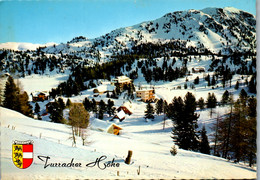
(106,87)
(120,81)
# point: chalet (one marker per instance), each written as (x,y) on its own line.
(104,88)
(198,69)
(126,108)
(105,126)
(146,95)
(40,96)
(120,115)
(121,81)
(114,129)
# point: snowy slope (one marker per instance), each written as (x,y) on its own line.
(150,145)
(22,46)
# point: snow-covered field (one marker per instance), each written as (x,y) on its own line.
(148,141)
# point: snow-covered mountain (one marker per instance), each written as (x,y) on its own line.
(212,28)
(211,31)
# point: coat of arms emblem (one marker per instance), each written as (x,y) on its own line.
(22,154)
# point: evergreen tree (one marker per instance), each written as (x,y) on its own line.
(252,84)
(94,106)
(56,112)
(101,109)
(53,93)
(159,106)
(207,78)
(76,89)
(37,108)
(225,97)
(237,85)
(173,150)
(87,104)
(209,84)
(197,80)
(204,143)
(243,94)
(68,103)
(185,122)
(62,104)
(211,100)
(213,82)
(201,103)
(149,111)
(11,92)
(185,86)
(252,107)
(110,107)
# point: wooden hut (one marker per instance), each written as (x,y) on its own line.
(114,129)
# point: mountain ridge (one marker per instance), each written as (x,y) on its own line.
(194,25)
(215,32)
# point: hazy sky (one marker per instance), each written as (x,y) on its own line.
(58,21)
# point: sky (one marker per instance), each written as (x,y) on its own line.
(44,21)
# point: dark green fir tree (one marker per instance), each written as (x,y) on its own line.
(204,142)
(149,113)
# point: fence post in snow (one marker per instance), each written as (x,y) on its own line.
(138,170)
(128,159)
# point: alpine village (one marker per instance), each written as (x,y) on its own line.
(170,98)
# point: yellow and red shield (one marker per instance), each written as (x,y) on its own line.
(22,154)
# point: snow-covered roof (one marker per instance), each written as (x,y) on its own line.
(144,90)
(122,79)
(101,125)
(42,92)
(129,106)
(105,87)
(111,128)
(105,81)
(121,114)
(198,68)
